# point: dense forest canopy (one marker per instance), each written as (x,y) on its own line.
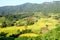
(46,7)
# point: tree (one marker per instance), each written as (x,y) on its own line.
(31,20)
(4,24)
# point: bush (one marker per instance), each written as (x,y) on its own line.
(2,34)
(29,38)
(21,38)
(4,24)
(27,31)
(6,38)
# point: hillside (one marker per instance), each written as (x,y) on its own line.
(46,7)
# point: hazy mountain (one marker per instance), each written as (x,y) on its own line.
(46,7)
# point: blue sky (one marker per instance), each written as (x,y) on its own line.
(18,2)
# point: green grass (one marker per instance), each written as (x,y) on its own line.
(42,22)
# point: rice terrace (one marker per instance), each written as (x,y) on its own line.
(30,20)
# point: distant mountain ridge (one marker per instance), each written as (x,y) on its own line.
(46,7)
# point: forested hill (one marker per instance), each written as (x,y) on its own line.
(46,7)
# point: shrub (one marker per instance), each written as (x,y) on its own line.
(4,24)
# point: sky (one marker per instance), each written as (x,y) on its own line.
(19,2)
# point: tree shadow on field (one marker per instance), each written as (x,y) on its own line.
(3,36)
